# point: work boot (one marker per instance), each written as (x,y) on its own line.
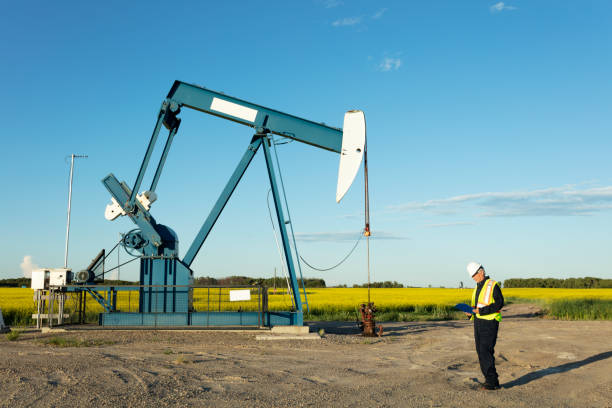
(490,387)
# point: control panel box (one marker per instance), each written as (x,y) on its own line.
(40,279)
(60,277)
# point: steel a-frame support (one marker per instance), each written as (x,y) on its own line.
(282,227)
(256,142)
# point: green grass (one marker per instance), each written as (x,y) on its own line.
(571,309)
(580,309)
(13,335)
(17,317)
(388,314)
(70,342)
(23,317)
(565,309)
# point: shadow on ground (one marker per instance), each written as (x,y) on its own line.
(527,378)
(390,328)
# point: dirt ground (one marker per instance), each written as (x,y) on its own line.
(541,362)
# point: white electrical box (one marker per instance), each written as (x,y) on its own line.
(40,279)
(60,277)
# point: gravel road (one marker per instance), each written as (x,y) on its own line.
(541,362)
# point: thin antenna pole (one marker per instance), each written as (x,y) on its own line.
(69,205)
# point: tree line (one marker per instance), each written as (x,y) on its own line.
(201,281)
(569,283)
(385,284)
(15,282)
(248,281)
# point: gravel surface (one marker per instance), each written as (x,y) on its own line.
(541,362)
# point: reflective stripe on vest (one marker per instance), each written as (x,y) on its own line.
(485,298)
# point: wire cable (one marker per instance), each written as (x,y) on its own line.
(108,254)
(339,263)
(125,263)
(302,258)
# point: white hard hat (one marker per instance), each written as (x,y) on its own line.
(473,268)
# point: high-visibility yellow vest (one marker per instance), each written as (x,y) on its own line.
(485,298)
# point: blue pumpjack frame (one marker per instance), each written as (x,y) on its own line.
(161,244)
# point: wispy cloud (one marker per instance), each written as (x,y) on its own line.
(500,6)
(379,13)
(27,266)
(390,64)
(332,3)
(450,224)
(347,21)
(344,236)
(554,201)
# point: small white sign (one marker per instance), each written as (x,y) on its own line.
(233,109)
(238,295)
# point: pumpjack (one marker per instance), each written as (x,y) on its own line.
(166,278)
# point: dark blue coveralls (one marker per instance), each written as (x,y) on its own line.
(485,334)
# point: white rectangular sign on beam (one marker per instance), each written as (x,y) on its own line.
(238,295)
(233,109)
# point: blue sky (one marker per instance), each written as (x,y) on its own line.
(489,129)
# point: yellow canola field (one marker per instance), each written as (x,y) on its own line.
(548,294)
(396,298)
(404,298)
(329,298)
(16,298)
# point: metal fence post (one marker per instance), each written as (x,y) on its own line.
(50,310)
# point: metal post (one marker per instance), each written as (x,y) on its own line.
(118,262)
(297,300)
(69,204)
(162,160)
(50,309)
(60,311)
(80,307)
(38,307)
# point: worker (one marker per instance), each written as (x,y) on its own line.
(487,301)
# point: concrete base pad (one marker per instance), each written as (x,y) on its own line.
(306,336)
(51,330)
(290,330)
